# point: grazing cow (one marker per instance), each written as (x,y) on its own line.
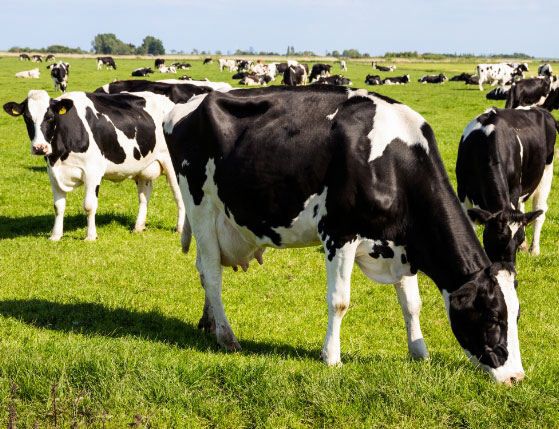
(159,62)
(499,93)
(384,68)
(24,57)
(281,68)
(545,70)
(29,74)
(397,80)
(255,79)
(109,62)
(37,58)
(295,75)
(500,74)
(363,177)
(373,80)
(461,77)
(432,78)
(343,65)
(50,57)
(244,65)
(333,80)
(207,60)
(226,63)
(528,92)
(176,92)
(165,69)
(505,157)
(86,137)
(59,72)
(143,72)
(319,70)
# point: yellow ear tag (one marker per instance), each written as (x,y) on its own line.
(62,111)
(15,112)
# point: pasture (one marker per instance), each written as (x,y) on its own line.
(112,324)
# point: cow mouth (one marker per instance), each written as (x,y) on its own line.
(40,150)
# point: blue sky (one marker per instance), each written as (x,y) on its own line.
(467,26)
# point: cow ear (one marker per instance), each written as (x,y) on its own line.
(14,109)
(61,107)
(531,217)
(463,297)
(480,216)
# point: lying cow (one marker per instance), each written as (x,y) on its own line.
(461,77)
(255,79)
(373,80)
(165,69)
(216,86)
(142,72)
(109,62)
(295,75)
(473,80)
(499,93)
(433,78)
(505,157)
(159,62)
(529,92)
(396,80)
(86,137)
(59,72)
(366,181)
(383,68)
(319,70)
(29,74)
(545,70)
(181,66)
(501,74)
(333,80)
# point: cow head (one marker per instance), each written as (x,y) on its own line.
(483,315)
(40,114)
(504,231)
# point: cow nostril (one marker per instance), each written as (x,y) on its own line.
(514,379)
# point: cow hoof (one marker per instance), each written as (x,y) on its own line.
(55,237)
(90,238)
(535,251)
(229,343)
(139,228)
(418,350)
(330,361)
(206,324)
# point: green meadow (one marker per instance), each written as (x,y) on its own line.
(104,334)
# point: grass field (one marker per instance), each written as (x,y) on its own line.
(112,324)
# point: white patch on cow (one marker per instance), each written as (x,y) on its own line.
(382,270)
(488,130)
(180,111)
(514,227)
(395,121)
(331,116)
(38,102)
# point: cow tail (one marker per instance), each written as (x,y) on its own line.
(557,126)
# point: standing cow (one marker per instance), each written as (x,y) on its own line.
(360,174)
(505,157)
(59,72)
(86,137)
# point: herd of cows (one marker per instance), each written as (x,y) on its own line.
(292,166)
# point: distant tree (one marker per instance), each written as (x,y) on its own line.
(153,46)
(108,43)
(194,51)
(336,53)
(218,52)
(351,53)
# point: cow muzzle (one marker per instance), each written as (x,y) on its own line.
(41,149)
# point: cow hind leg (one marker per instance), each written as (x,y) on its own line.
(182,219)
(207,321)
(90,207)
(338,271)
(540,203)
(145,187)
(410,302)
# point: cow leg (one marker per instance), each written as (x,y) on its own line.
(410,302)
(338,271)
(144,193)
(207,321)
(90,207)
(59,208)
(182,220)
(524,245)
(540,203)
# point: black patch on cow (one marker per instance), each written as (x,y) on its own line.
(177,93)
(315,211)
(105,136)
(97,191)
(137,154)
(404,259)
(382,249)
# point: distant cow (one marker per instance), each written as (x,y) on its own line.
(295,75)
(373,80)
(142,72)
(255,79)
(85,137)
(433,78)
(50,57)
(37,58)
(461,77)
(244,65)
(343,65)
(109,62)
(397,80)
(333,80)
(207,60)
(505,157)
(181,66)
(24,57)
(159,62)
(473,80)
(29,74)
(165,69)
(383,68)
(319,70)
(185,77)
(528,92)
(545,70)
(281,68)
(59,72)
(226,63)
(501,74)
(499,93)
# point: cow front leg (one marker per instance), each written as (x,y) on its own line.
(182,220)
(59,208)
(145,187)
(207,321)
(338,271)
(540,203)
(90,207)
(410,302)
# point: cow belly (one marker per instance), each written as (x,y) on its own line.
(146,168)
(382,261)
(235,248)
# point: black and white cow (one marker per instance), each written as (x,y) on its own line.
(343,65)
(109,62)
(176,92)
(473,80)
(87,137)
(501,74)
(181,66)
(59,72)
(499,93)
(545,70)
(24,57)
(433,78)
(319,70)
(159,62)
(396,80)
(142,72)
(50,57)
(37,58)
(360,174)
(534,91)
(383,68)
(281,68)
(505,157)
(461,77)
(373,80)
(244,65)
(295,75)
(255,79)
(333,80)
(226,63)
(207,60)
(216,86)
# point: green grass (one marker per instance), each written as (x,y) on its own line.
(116,320)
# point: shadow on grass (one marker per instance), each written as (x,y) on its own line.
(95,319)
(35,225)
(38,169)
